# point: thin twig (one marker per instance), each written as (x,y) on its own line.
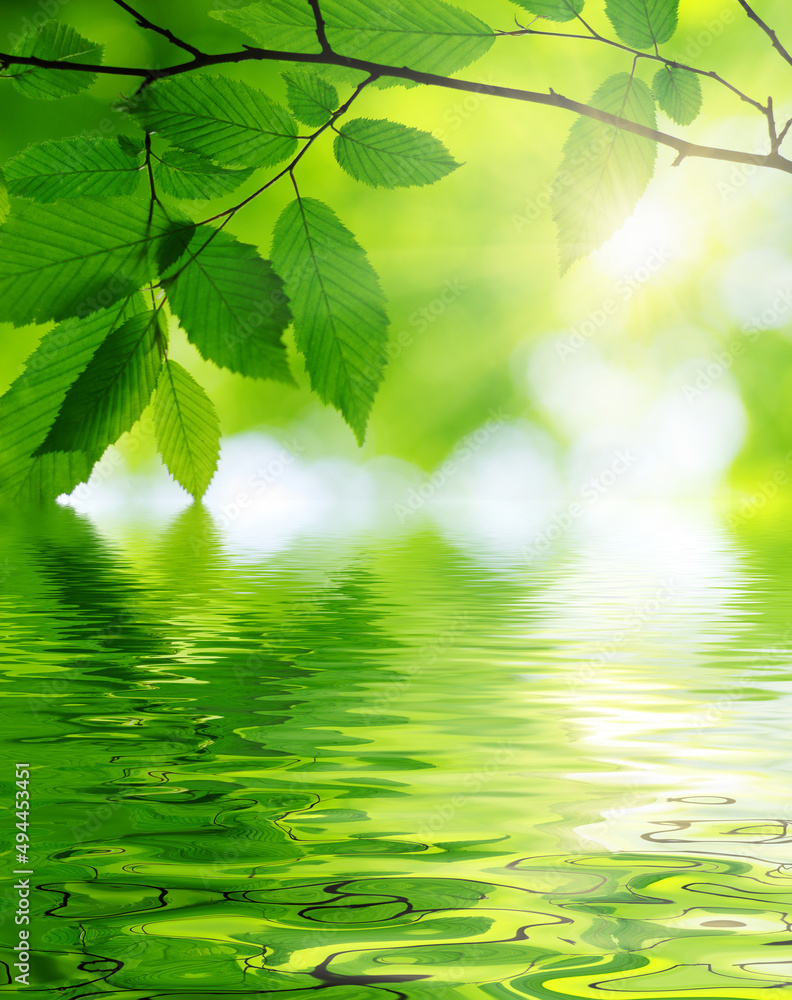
(290,168)
(145,23)
(154,199)
(783,133)
(771,124)
(651,56)
(321,30)
(229,213)
(767,30)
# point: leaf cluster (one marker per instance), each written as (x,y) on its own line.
(99,241)
(98,236)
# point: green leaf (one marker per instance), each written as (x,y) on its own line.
(312,99)
(58,42)
(678,93)
(73,168)
(187,428)
(232,306)
(218,117)
(386,154)
(31,405)
(283,25)
(133,145)
(73,257)
(52,474)
(643,23)
(427,35)
(338,306)
(191,177)
(111,394)
(553,10)
(605,170)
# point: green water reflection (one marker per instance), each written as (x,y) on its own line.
(393,768)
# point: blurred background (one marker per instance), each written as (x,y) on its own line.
(657,368)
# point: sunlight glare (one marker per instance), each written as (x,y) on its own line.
(646,242)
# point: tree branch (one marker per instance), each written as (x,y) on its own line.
(772,160)
(767,30)
(145,23)
(150,172)
(783,133)
(321,31)
(9,60)
(771,125)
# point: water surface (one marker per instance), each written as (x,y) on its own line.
(403,767)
